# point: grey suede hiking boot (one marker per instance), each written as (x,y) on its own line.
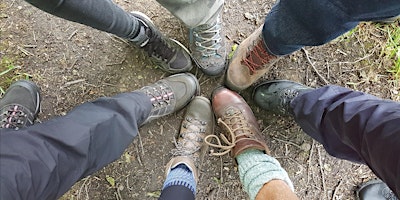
(167,53)
(249,63)
(275,96)
(208,47)
(20,105)
(171,94)
(375,190)
(197,124)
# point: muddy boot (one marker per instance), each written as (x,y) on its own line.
(166,53)
(190,150)
(237,119)
(208,47)
(171,94)
(375,190)
(249,63)
(275,96)
(20,105)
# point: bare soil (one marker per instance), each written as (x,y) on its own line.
(73,64)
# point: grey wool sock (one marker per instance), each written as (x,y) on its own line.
(257,168)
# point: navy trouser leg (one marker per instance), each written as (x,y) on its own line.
(44,160)
(354,126)
(176,192)
(103,15)
(292,24)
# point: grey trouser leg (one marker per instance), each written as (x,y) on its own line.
(44,160)
(193,12)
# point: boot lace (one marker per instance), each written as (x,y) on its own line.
(15,117)
(191,138)
(237,129)
(158,47)
(257,57)
(207,39)
(161,96)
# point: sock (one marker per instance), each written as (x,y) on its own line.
(138,36)
(181,175)
(257,168)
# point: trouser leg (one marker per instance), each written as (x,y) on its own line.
(176,192)
(292,24)
(354,126)
(193,12)
(103,15)
(44,160)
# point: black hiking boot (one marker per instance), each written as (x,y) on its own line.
(171,94)
(375,190)
(275,96)
(166,53)
(20,105)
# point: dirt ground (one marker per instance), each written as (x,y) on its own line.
(73,64)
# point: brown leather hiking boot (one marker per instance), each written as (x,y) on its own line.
(236,118)
(249,63)
(190,149)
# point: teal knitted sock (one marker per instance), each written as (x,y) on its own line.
(257,168)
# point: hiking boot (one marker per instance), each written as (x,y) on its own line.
(171,94)
(236,118)
(249,63)
(208,47)
(20,105)
(275,96)
(167,53)
(197,123)
(375,190)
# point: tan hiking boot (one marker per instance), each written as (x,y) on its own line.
(249,63)
(236,118)
(190,148)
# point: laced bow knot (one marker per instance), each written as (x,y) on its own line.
(237,130)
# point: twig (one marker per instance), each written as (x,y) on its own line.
(138,156)
(315,69)
(309,161)
(287,142)
(322,172)
(221,178)
(73,82)
(336,190)
(72,34)
(25,51)
(141,144)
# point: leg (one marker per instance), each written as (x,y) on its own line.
(206,37)
(351,125)
(182,170)
(291,25)
(44,160)
(261,175)
(354,126)
(104,15)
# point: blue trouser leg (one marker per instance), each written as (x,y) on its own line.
(103,15)
(293,24)
(44,160)
(354,126)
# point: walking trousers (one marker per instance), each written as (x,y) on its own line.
(293,24)
(106,16)
(354,126)
(44,160)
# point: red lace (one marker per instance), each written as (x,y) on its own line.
(257,57)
